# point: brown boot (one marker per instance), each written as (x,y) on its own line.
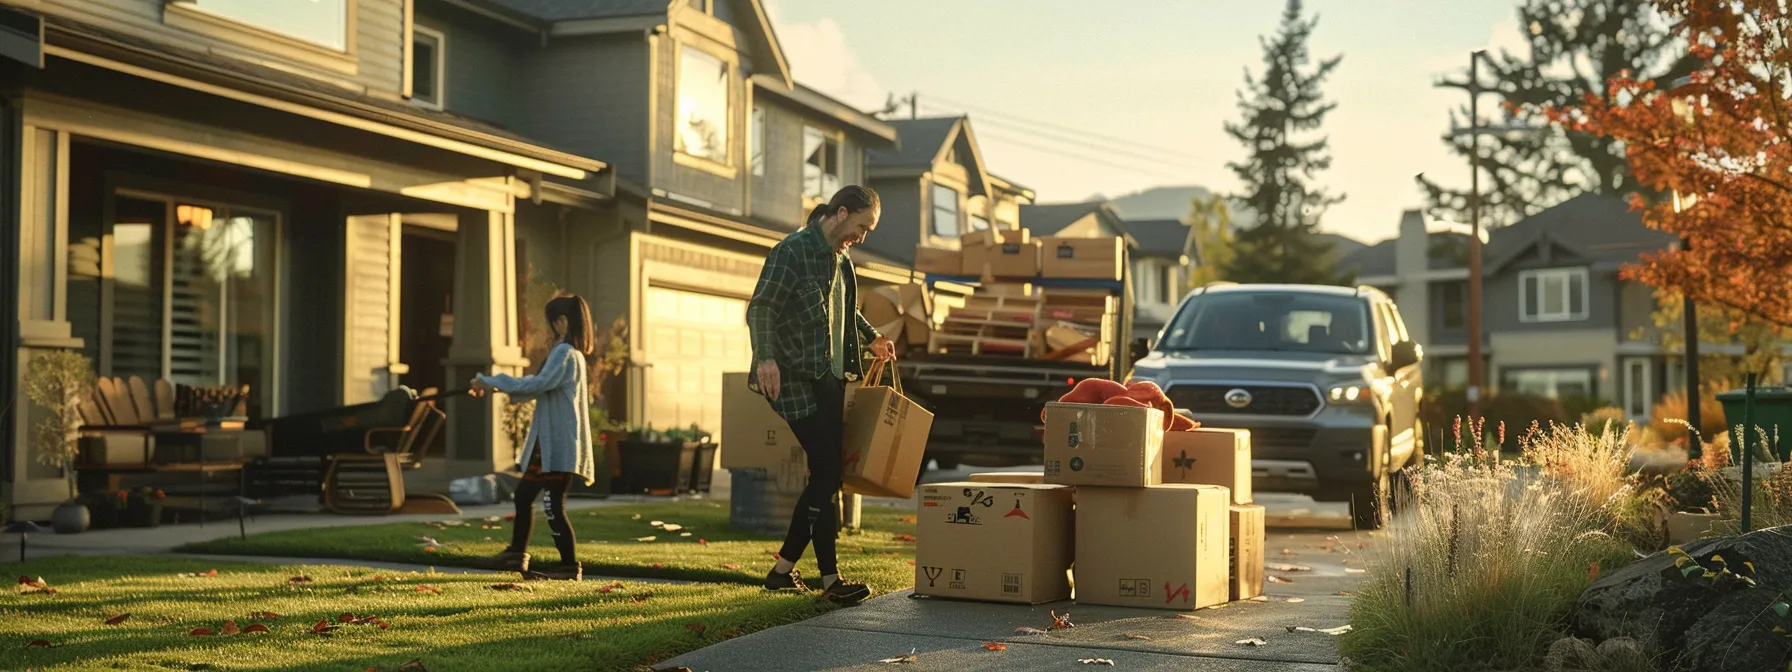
(507,561)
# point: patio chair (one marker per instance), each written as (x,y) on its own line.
(372,481)
(119,418)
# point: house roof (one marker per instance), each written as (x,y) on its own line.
(1598,228)
(289,88)
(568,10)
(1005,184)
(1163,238)
(918,143)
(1048,219)
(1377,259)
(850,117)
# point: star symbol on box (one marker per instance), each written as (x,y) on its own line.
(1183,461)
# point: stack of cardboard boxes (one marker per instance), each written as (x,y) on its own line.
(1013,254)
(1148,518)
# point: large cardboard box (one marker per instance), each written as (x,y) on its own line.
(753,435)
(1087,258)
(1007,260)
(1162,547)
(884,443)
(1247,551)
(994,542)
(994,237)
(938,261)
(1092,444)
(1209,456)
(1024,477)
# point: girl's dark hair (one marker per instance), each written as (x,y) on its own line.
(855,198)
(578,321)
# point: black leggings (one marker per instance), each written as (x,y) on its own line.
(816,518)
(555,484)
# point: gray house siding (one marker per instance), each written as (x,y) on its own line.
(777,195)
(1501,300)
(379,43)
(899,228)
(589,96)
(482,64)
(714,191)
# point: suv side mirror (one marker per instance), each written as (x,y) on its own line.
(1141,348)
(1405,354)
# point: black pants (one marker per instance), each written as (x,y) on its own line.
(817,518)
(555,484)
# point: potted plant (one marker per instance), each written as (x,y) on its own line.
(660,462)
(144,508)
(56,383)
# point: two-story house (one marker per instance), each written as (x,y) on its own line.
(1161,267)
(217,192)
(1558,320)
(717,152)
(935,188)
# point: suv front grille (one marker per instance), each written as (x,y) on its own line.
(1282,437)
(1265,400)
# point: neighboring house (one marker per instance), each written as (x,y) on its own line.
(262,194)
(936,188)
(718,156)
(1161,267)
(1558,320)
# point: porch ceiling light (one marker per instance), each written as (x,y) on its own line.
(194,216)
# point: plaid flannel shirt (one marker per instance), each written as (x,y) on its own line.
(787,320)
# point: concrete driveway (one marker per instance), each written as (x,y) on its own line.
(1310,545)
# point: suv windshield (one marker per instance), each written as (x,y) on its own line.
(1271,320)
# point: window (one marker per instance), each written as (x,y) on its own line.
(1552,383)
(821,164)
(1272,320)
(191,297)
(1639,397)
(756,140)
(978,223)
(323,22)
(1556,295)
(429,66)
(1166,284)
(1454,313)
(945,211)
(702,125)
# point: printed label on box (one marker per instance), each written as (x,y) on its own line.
(1135,587)
(958,581)
(933,574)
(1011,584)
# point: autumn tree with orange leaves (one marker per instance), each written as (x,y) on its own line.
(1720,136)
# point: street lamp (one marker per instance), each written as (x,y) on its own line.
(1695,441)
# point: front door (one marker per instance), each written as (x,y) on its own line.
(426,312)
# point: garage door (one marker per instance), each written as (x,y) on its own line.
(691,339)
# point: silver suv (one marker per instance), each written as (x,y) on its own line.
(1325,378)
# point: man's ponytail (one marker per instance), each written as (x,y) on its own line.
(855,198)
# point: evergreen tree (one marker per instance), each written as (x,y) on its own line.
(1574,48)
(1279,111)
(1212,224)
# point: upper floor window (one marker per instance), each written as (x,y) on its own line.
(821,164)
(945,211)
(323,22)
(702,125)
(756,141)
(429,60)
(1554,295)
(976,212)
(1454,313)
(978,223)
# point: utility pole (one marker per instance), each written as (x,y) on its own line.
(914,101)
(1694,439)
(1474,241)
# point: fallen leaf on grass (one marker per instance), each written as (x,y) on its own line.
(702,542)
(264,615)
(200,632)
(1289,568)
(429,589)
(911,563)
(493,519)
(196,575)
(39,644)
(613,586)
(508,586)
(1029,631)
(697,628)
(658,566)
(730,565)
(684,534)
(1353,570)
(416,665)
(345,618)
(906,519)
(115,620)
(649,538)
(640,598)
(995,646)
(1096,661)
(899,660)
(255,627)
(669,527)
(298,580)
(1254,641)
(634,517)
(903,537)
(323,626)
(230,629)
(1141,638)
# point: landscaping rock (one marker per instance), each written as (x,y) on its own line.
(1689,621)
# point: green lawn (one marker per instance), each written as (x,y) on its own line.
(613,541)
(450,622)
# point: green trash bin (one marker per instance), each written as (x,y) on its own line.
(1773,418)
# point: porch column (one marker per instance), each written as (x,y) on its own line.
(484,342)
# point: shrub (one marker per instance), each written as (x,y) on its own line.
(1439,411)
(1668,418)
(1488,558)
(1606,418)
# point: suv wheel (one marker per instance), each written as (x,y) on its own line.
(1370,503)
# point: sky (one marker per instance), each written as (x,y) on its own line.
(1077,99)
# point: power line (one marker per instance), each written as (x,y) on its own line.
(983,111)
(1080,157)
(1067,139)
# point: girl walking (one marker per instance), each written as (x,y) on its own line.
(558,448)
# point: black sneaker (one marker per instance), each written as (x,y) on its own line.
(507,561)
(556,571)
(785,581)
(846,593)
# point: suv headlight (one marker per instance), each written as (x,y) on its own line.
(1349,394)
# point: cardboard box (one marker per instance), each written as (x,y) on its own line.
(753,435)
(1162,547)
(1247,550)
(884,443)
(994,542)
(1088,258)
(1021,477)
(938,261)
(1209,456)
(1007,260)
(1092,444)
(1680,527)
(995,237)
